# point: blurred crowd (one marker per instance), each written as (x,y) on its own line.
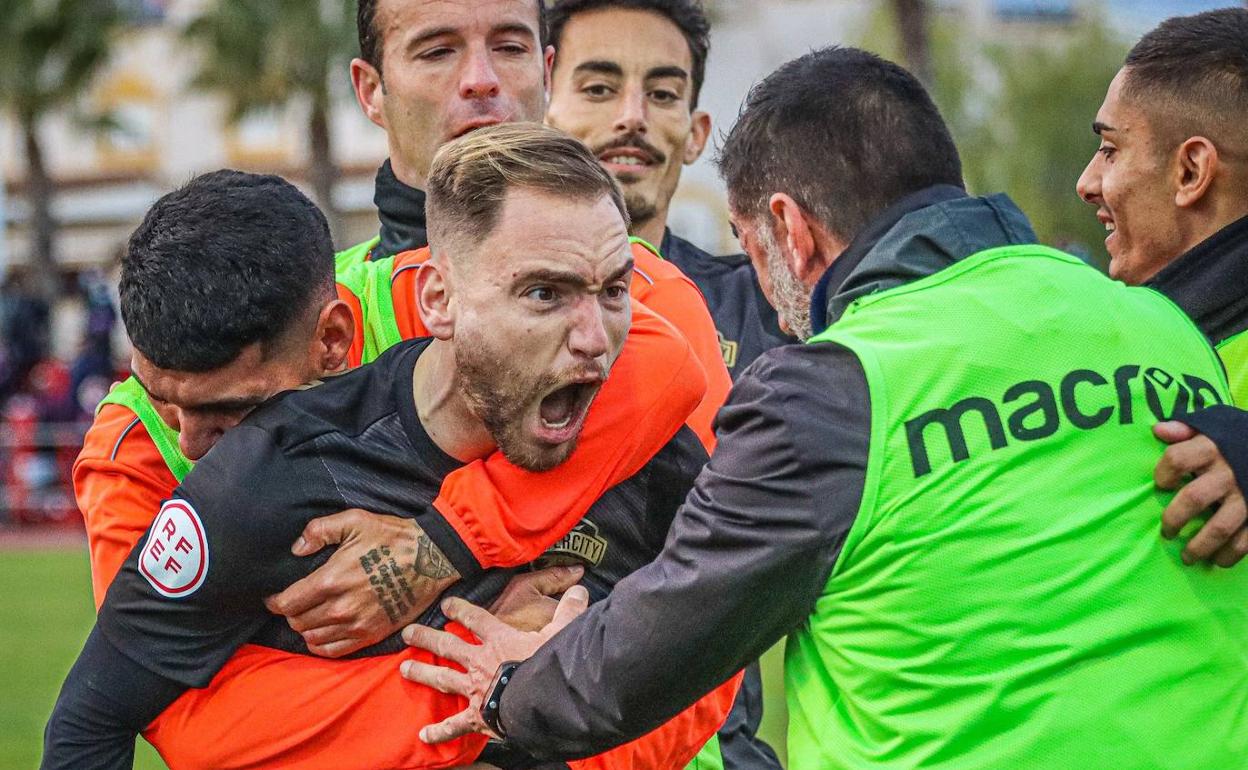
(46,402)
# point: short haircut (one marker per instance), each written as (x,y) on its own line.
(842,131)
(471,176)
(687,15)
(372,44)
(1196,68)
(228,260)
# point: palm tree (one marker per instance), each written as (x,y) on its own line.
(265,53)
(912,29)
(50,51)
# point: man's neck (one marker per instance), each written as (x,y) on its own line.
(442,410)
(406,174)
(651,230)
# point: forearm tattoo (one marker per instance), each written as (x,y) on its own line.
(393,577)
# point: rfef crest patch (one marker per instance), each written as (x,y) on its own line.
(175,557)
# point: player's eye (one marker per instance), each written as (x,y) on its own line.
(543,294)
(616,292)
(597,90)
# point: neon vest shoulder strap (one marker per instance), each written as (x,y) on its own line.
(370,283)
(647,245)
(131,395)
(357,254)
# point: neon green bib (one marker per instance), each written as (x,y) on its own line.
(130,394)
(1003,599)
(357,254)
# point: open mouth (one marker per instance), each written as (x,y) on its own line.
(562,412)
(1108,223)
(625,159)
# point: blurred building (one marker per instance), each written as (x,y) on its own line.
(167,132)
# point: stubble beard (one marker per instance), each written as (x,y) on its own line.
(791,297)
(499,396)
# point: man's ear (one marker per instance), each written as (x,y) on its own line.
(796,238)
(548,73)
(433,297)
(335,331)
(370,92)
(1197,165)
(699,134)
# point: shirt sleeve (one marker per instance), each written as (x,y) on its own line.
(120,480)
(495,518)
(105,701)
(750,552)
(191,591)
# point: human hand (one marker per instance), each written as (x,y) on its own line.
(1223,539)
(500,643)
(526,603)
(385,572)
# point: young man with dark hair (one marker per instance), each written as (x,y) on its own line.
(514,367)
(918,497)
(221,318)
(1170,183)
(626,81)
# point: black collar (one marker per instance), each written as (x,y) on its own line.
(401,210)
(838,274)
(1210,282)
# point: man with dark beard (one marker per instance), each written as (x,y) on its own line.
(527,299)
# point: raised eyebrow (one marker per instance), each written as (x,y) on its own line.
(1099,128)
(600,67)
(670,71)
(512,28)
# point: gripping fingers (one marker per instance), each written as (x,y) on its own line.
(1230,554)
(439,678)
(1182,459)
(440,643)
(475,619)
(1192,500)
(1220,529)
(337,648)
(464,723)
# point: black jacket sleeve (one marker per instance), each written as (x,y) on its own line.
(106,701)
(1227,428)
(749,553)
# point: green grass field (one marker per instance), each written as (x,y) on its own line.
(46,613)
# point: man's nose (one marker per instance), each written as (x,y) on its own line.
(479,80)
(197,435)
(1089,185)
(631,118)
(588,336)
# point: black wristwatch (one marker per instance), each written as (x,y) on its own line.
(491,707)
